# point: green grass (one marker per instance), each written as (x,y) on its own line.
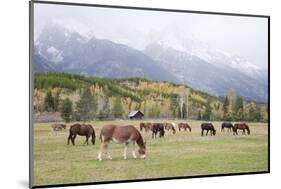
(182,154)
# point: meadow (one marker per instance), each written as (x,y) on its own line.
(183,154)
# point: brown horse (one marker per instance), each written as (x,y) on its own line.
(146,126)
(121,134)
(184,126)
(241,126)
(170,126)
(82,130)
(58,127)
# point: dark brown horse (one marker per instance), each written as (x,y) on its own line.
(227,125)
(241,126)
(170,126)
(184,126)
(121,134)
(158,127)
(82,130)
(146,126)
(208,127)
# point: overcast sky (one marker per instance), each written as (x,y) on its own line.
(243,36)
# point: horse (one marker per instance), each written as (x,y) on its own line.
(58,127)
(229,126)
(170,126)
(82,130)
(146,126)
(121,134)
(184,126)
(158,127)
(241,126)
(208,127)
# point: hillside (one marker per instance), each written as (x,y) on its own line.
(103,98)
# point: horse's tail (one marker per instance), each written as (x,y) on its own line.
(93,137)
(248,129)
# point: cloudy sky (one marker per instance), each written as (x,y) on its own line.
(242,36)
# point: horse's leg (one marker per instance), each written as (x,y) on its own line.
(125,150)
(69,138)
(107,151)
(133,150)
(73,139)
(202,132)
(100,151)
(243,131)
(86,141)
(207,132)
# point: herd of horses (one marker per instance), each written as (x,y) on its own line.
(129,134)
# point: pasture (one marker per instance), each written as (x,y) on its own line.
(182,154)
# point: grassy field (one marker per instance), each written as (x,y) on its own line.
(182,154)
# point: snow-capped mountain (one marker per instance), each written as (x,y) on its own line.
(173,56)
(58,49)
(202,75)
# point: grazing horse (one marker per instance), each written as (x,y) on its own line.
(241,126)
(121,134)
(227,125)
(146,126)
(184,126)
(58,127)
(170,126)
(82,130)
(208,127)
(158,127)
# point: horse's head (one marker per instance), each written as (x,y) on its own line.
(214,132)
(142,151)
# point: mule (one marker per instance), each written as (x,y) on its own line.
(158,127)
(122,135)
(170,126)
(227,125)
(81,130)
(208,127)
(241,126)
(184,126)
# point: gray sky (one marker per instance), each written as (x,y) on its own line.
(243,36)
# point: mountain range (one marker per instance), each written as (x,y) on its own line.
(58,49)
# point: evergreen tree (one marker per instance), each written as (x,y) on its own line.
(117,109)
(207,113)
(225,109)
(49,102)
(174,106)
(87,105)
(252,114)
(66,109)
(239,110)
(184,111)
(105,111)
(56,101)
(199,115)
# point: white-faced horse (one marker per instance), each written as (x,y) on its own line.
(122,135)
